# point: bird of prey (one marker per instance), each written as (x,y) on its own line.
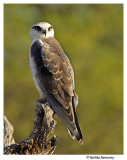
(54,77)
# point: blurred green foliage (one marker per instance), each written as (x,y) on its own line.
(92,37)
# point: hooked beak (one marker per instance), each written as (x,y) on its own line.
(44,31)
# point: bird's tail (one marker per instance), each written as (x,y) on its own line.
(73,127)
(78,135)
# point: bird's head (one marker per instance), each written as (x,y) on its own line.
(41,30)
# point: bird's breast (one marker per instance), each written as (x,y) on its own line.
(32,66)
(36,75)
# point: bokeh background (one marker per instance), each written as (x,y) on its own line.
(92,37)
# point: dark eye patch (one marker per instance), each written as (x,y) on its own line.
(37,28)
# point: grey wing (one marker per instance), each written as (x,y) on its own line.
(61,94)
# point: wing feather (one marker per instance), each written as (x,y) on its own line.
(58,64)
(59,83)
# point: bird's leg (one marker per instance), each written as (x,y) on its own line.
(41,100)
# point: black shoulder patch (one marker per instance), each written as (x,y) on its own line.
(36,49)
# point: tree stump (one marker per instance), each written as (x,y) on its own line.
(38,141)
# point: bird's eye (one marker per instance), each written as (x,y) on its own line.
(50,28)
(37,28)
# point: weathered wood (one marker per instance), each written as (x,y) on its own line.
(8,133)
(37,142)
